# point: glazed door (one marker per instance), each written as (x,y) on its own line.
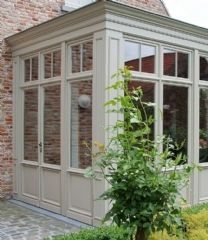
(41,165)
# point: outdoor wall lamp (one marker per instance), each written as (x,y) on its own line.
(84,101)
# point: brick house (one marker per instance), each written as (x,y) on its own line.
(53,78)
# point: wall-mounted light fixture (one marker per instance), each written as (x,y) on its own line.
(84,101)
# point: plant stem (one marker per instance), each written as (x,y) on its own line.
(140,235)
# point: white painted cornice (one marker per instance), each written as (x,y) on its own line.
(97,13)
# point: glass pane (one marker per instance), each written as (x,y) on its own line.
(52,125)
(132,55)
(148,58)
(182,65)
(31,125)
(76,61)
(175,114)
(169,61)
(47,65)
(34,68)
(81,124)
(149,96)
(57,63)
(204,68)
(27,70)
(203,121)
(87,56)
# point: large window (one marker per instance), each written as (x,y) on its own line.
(173,102)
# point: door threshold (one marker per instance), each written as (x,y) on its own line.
(50,214)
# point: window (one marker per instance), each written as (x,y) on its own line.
(81,124)
(31,124)
(52,106)
(175,64)
(203,125)
(31,69)
(175,114)
(52,64)
(148,89)
(81,57)
(140,57)
(203,68)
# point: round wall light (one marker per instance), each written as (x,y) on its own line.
(84,101)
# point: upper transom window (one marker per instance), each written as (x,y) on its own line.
(81,57)
(31,69)
(203,68)
(175,63)
(52,64)
(140,57)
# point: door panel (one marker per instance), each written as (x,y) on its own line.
(30,181)
(51,189)
(80,197)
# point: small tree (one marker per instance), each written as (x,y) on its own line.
(144,183)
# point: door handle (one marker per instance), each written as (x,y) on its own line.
(40,146)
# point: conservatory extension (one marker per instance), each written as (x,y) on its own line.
(61,69)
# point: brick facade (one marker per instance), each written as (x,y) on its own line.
(16,16)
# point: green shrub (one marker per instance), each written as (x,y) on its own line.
(196,219)
(101,233)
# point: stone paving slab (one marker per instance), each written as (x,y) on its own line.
(18,223)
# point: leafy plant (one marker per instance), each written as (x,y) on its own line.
(102,233)
(144,182)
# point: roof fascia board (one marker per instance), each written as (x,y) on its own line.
(100,9)
(142,29)
(155,19)
(82,15)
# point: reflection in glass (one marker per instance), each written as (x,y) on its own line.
(31,125)
(203,121)
(34,68)
(81,126)
(57,63)
(87,56)
(47,65)
(182,63)
(169,62)
(51,144)
(148,58)
(132,55)
(76,58)
(175,114)
(27,70)
(148,89)
(204,68)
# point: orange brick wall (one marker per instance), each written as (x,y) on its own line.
(16,15)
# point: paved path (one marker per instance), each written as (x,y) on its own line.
(18,223)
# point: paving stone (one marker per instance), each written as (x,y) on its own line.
(18,223)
